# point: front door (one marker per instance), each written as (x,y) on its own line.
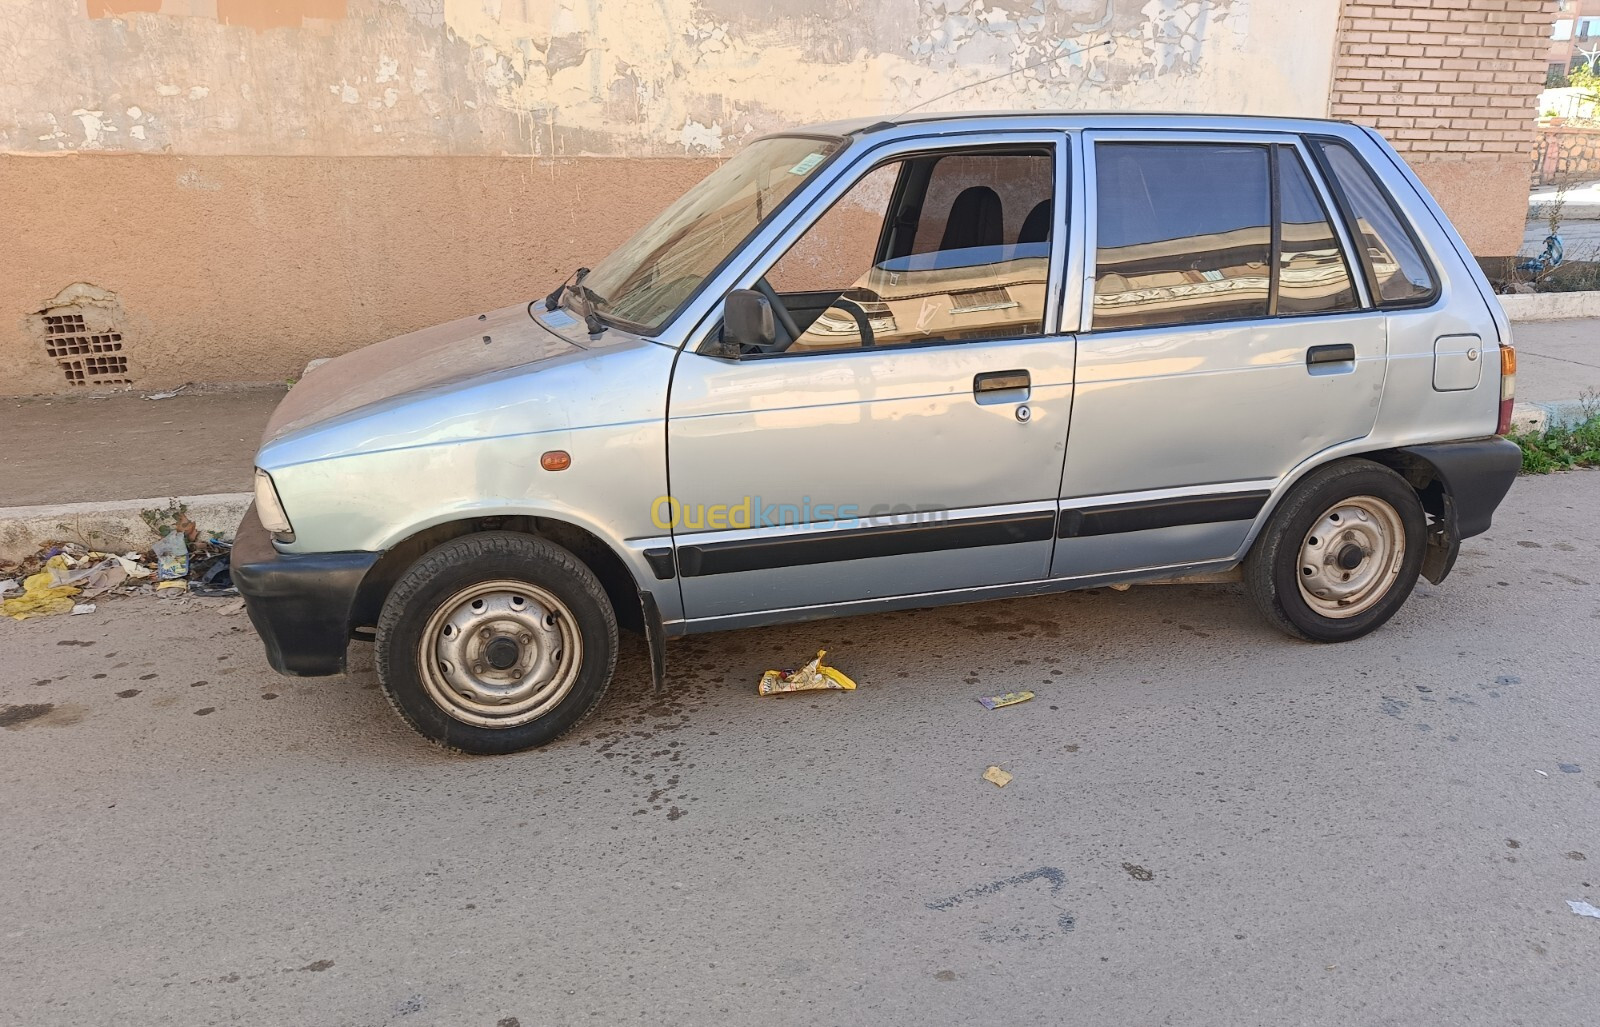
(1226,341)
(905,434)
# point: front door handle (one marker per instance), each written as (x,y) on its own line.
(1001,381)
(1322,359)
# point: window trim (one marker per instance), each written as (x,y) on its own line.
(1092,138)
(1275,226)
(1315,144)
(760,261)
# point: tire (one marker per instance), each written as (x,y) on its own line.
(496,642)
(1340,554)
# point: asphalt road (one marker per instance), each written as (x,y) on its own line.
(1209,824)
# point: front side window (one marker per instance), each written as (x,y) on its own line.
(1393,255)
(1185,233)
(946,247)
(644,282)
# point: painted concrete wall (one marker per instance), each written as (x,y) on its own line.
(611,77)
(237,185)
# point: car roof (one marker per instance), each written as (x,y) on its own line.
(937,121)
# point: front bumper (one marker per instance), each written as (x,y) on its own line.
(300,604)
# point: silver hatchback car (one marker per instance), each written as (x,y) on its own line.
(884,364)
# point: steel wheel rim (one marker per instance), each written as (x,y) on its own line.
(500,654)
(1351,557)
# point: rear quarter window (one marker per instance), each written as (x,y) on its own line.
(1399,273)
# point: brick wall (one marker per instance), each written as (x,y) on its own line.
(1453,84)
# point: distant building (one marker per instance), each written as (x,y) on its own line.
(1574,38)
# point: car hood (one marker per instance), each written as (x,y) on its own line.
(435,356)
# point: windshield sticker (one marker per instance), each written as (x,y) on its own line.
(558,319)
(807,162)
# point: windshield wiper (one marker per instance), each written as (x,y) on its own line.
(591,300)
(554,299)
(585,296)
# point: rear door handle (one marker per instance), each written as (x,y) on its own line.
(1343,353)
(1001,381)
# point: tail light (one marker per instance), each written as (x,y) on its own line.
(1508,386)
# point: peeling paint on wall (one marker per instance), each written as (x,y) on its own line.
(613,77)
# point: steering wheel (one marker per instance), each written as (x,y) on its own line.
(858,312)
(789,328)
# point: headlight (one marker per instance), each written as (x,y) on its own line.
(270,510)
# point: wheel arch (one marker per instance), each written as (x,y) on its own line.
(622,588)
(1436,473)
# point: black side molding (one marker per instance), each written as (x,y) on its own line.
(706,558)
(660,561)
(1160,513)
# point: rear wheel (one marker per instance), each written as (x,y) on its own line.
(496,642)
(1340,555)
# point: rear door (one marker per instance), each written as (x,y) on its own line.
(1226,341)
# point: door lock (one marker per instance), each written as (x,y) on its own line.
(1023,413)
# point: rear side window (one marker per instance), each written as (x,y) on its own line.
(1313,277)
(1185,233)
(1394,262)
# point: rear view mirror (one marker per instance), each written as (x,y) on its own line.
(747,320)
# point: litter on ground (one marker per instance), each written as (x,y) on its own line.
(813,676)
(1583,909)
(63,576)
(994,702)
(998,776)
(172,556)
(94,574)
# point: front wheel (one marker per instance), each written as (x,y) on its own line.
(1340,555)
(496,642)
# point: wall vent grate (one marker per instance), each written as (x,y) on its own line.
(87,350)
(97,371)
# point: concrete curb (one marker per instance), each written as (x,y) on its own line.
(113,525)
(1539,416)
(1549,306)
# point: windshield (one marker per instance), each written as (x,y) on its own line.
(645,280)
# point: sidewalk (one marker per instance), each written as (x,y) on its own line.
(1581,202)
(76,449)
(82,468)
(88,464)
(1556,360)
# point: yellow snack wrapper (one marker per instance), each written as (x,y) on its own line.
(812,677)
(40,595)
